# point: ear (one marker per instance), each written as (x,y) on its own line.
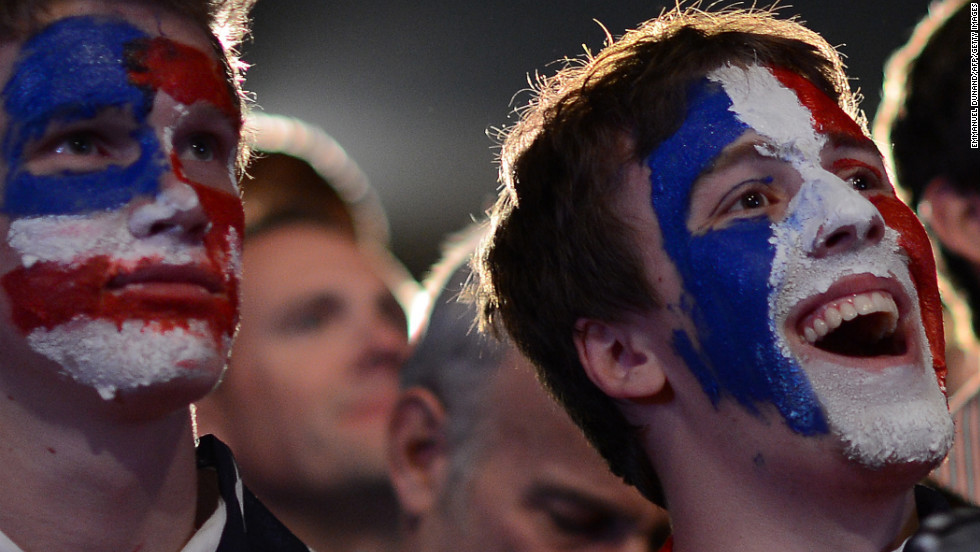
(953,216)
(417,450)
(620,359)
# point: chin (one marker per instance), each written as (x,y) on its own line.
(885,409)
(895,417)
(136,359)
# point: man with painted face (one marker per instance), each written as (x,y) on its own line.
(698,246)
(119,267)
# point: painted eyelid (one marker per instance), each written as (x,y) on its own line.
(105,139)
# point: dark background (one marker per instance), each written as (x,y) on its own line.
(410,89)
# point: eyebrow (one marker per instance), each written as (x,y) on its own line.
(541,492)
(846,140)
(731,156)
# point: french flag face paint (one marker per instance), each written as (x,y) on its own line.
(808,285)
(123,211)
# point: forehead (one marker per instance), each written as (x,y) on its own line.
(302,257)
(150,18)
(80,47)
(792,113)
(787,111)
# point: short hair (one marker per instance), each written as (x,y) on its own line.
(558,249)
(451,359)
(301,175)
(925,116)
(301,172)
(226,22)
(280,189)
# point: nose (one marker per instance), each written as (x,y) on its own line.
(176,211)
(638,542)
(843,220)
(388,342)
(391,339)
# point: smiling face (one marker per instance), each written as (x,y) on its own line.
(120,213)
(806,284)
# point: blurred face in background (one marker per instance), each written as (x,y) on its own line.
(314,373)
(529,481)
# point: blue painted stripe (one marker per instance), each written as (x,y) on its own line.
(70,71)
(725,275)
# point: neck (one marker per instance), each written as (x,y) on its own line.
(79,476)
(357,518)
(758,486)
(763,510)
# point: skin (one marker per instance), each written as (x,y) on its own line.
(761,444)
(127,449)
(150,250)
(809,220)
(314,371)
(533,484)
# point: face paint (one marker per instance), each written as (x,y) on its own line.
(56,81)
(732,324)
(77,296)
(183,72)
(745,280)
(914,240)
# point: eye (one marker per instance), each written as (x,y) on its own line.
(582,523)
(751,200)
(864,180)
(748,198)
(202,146)
(78,143)
(861,175)
(573,521)
(311,315)
(81,143)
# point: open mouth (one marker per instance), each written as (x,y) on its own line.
(859,325)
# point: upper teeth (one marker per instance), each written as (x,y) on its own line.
(849,308)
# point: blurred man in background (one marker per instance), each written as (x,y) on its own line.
(322,339)
(925,117)
(481,458)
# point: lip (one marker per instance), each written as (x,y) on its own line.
(839,291)
(172,281)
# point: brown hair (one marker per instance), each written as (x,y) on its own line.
(558,251)
(281,189)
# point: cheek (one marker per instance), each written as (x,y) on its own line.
(223,242)
(728,271)
(922,266)
(737,350)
